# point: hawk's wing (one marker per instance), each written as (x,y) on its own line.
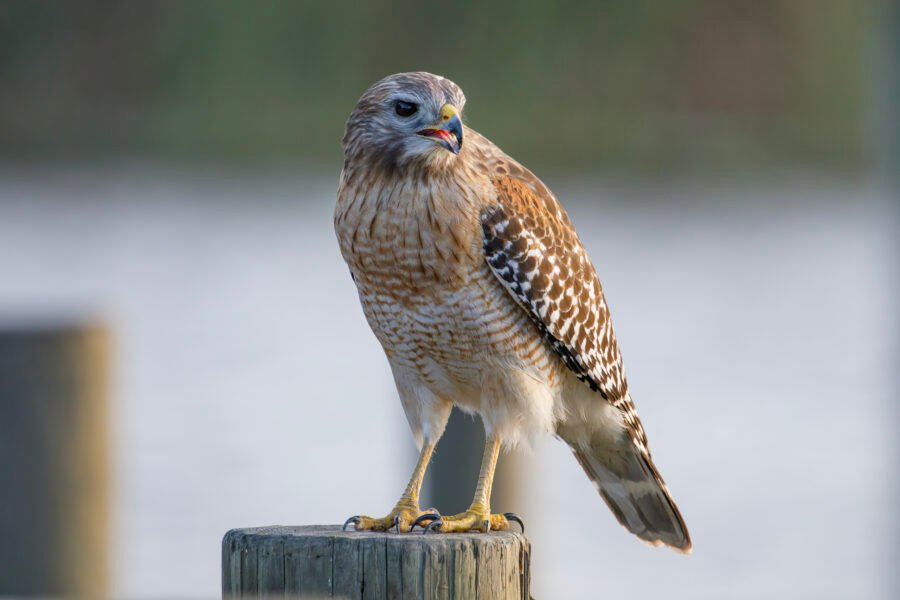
(532,248)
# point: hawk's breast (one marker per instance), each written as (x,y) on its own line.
(415,252)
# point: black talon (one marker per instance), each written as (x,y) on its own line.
(437,523)
(516,518)
(397,523)
(354,519)
(424,517)
(487,525)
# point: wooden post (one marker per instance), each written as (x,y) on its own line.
(53,460)
(321,561)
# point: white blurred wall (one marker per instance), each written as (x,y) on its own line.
(755,321)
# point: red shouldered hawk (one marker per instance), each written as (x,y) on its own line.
(473,279)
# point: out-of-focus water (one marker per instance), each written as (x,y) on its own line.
(756,321)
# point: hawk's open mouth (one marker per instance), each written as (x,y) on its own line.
(449,133)
(441,134)
(450,139)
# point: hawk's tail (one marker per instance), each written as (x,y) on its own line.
(632,487)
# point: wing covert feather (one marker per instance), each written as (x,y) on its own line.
(533,249)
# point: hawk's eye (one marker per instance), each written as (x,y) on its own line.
(405,109)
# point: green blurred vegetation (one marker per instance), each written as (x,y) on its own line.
(641,84)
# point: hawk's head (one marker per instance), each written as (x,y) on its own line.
(406,118)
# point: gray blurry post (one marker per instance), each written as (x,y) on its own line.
(321,561)
(53,461)
(451,478)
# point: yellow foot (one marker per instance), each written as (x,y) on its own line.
(477,518)
(403,518)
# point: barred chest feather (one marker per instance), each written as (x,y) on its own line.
(415,253)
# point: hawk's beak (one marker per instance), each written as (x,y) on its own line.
(448,133)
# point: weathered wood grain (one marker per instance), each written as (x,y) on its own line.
(321,561)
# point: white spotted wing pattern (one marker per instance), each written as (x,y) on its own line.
(533,249)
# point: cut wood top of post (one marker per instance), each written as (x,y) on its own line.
(315,561)
(335,531)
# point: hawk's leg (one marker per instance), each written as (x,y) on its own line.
(407,508)
(478,516)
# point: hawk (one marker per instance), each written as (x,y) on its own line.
(472,277)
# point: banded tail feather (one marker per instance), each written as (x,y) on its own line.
(636,494)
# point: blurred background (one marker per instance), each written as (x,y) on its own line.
(172,298)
